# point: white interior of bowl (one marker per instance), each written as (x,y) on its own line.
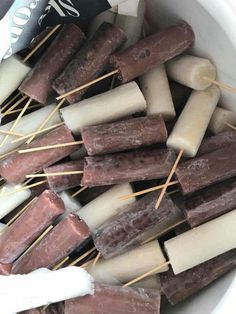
(214,23)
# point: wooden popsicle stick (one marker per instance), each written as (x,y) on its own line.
(169,178)
(59,265)
(82,257)
(37,149)
(159,234)
(20,212)
(224,86)
(173,192)
(16,121)
(96,259)
(38,132)
(79,191)
(231,126)
(147,274)
(28,181)
(18,110)
(26,187)
(41,175)
(41,43)
(87,85)
(47,119)
(87,263)
(125,197)
(37,240)
(7,112)
(11,133)
(10,102)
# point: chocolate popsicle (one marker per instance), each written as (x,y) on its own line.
(90,61)
(120,233)
(179,287)
(38,83)
(124,135)
(64,182)
(210,203)
(5,269)
(116,300)
(206,170)
(15,167)
(57,244)
(37,217)
(127,167)
(152,51)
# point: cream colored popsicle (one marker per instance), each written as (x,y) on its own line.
(191,125)
(71,204)
(130,265)
(109,106)
(156,90)
(2,227)
(10,200)
(105,206)
(151,282)
(219,120)
(200,244)
(12,73)
(191,71)
(28,124)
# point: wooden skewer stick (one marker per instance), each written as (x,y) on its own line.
(96,259)
(231,126)
(16,121)
(28,181)
(19,110)
(220,84)
(11,133)
(173,192)
(7,112)
(41,175)
(147,274)
(37,149)
(79,191)
(38,132)
(169,178)
(20,212)
(159,234)
(59,265)
(87,85)
(125,197)
(87,263)
(82,257)
(41,43)
(37,240)
(10,101)
(47,119)
(26,187)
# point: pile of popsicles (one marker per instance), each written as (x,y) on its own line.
(131,137)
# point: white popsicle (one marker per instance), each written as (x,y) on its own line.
(23,292)
(105,206)
(71,204)
(151,282)
(125,267)
(191,125)
(219,120)
(12,73)
(200,244)
(107,107)
(2,227)
(190,71)
(156,90)
(9,200)
(28,124)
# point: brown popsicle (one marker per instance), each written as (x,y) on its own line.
(37,217)
(90,61)
(215,142)
(15,167)
(207,169)
(56,245)
(121,232)
(64,182)
(152,51)
(124,135)
(127,167)
(116,300)
(179,287)
(210,203)
(5,269)
(38,83)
